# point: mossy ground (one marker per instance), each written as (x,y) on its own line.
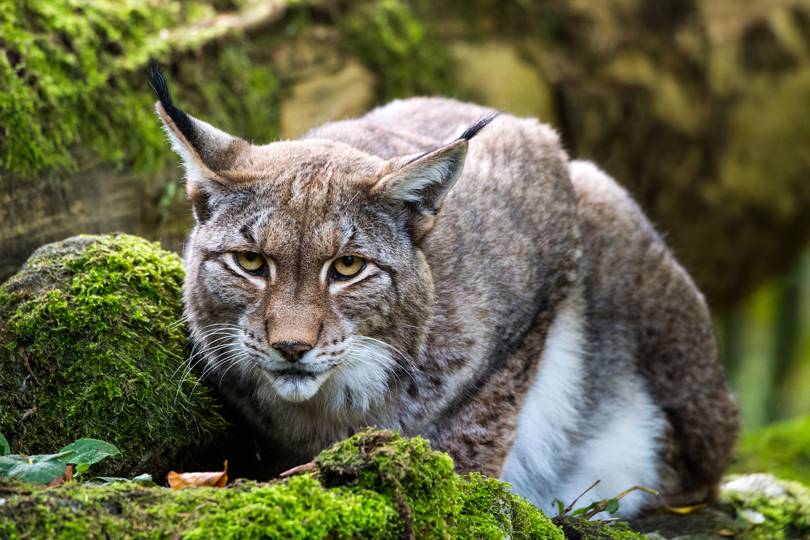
(373,485)
(92,345)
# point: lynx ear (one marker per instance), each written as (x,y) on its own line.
(206,151)
(422,182)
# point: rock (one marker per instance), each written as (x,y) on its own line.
(92,344)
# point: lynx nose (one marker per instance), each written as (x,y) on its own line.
(291,350)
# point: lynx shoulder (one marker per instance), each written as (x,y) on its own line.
(444,270)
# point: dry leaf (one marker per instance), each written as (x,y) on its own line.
(726,533)
(683,510)
(198,479)
(67,477)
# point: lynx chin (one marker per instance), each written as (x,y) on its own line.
(440,269)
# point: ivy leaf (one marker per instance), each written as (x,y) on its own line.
(41,469)
(86,452)
(612,506)
(5,448)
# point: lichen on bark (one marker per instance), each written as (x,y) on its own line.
(92,344)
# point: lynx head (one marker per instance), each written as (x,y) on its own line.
(304,274)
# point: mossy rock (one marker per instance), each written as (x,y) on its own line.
(753,507)
(770,508)
(92,344)
(782,449)
(374,485)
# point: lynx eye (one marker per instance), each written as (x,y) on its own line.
(250,260)
(347,267)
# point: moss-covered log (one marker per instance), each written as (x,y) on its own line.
(92,344)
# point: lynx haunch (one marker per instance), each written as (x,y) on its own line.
(438,269)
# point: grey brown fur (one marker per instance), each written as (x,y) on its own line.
(447,336)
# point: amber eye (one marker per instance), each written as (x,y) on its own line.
(347,267)
(251,261)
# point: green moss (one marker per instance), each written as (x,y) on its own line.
(772,509)
(299,508)
(391,38)
(73,76)
(73,90)
(432,500)
(782,449)
(374,485)
(490,511)
(93,346)
(596,530)
(421,482)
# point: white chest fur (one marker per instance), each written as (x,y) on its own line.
(551,458)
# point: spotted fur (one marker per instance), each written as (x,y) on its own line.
(517,309)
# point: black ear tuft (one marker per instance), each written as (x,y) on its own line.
(479,124)
(183,121)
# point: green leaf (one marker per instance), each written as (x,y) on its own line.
(612,506)
(89,451)
(42,469)
(584,509)
(560,506)
(141,479)
(5,448)
(144,479)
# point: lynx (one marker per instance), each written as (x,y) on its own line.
(439,269)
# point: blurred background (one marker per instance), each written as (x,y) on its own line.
(701,108)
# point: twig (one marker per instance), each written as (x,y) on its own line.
(299,469)
(27,365)
(602,505)
(574,502)
(17,491)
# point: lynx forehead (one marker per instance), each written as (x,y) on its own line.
(436,269)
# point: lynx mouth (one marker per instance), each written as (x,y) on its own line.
(297,385)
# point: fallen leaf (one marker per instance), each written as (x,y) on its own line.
(726,533)
(683,510)
(67,476)
(198,479)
